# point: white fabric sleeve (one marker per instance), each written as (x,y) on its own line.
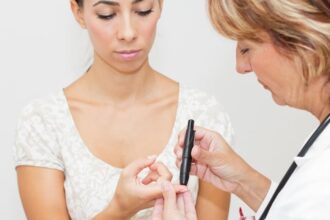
(264,203)
(36,143)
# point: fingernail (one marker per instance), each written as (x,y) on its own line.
(151,157)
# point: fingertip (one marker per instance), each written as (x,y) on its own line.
(152,157)
(195,151)
(146,181)
(193,169)
(178,163)
(180,188)
(178,153)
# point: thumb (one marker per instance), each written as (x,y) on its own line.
(203,156)
(169,196)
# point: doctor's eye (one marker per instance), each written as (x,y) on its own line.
(244,51)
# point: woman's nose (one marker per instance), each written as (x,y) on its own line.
(126,30)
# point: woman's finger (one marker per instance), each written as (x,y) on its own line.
(190,211)
(169,196)
(151,177)
(178,153)
(180,204)
(134,168)
(162,171)
(157,212)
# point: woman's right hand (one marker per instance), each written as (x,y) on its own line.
(134,194)
(214,160)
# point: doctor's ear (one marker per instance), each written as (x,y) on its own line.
(77,12)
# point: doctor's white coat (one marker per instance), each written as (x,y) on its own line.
(306,196)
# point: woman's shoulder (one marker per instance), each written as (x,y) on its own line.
(44,106)
(206,110)
(198,98)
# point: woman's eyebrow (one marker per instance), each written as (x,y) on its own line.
(112,3)
(136,1)
(106,2)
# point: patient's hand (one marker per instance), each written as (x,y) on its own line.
(134,194)
(174,206)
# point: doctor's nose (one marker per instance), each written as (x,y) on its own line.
(126,31)
(243,64)
(243,67)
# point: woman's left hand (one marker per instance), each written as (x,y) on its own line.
(174,206)
(134,194)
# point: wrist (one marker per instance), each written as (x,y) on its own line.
(116,212)
(252,188)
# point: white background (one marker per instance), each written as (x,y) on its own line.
(43,50)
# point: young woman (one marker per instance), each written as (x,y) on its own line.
(76,150)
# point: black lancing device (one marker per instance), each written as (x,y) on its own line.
(186,155)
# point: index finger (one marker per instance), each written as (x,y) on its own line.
(190,211)
(163,172)
(134,168)
(157,212)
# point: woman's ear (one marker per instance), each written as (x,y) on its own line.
(77,12)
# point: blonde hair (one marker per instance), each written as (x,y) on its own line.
(297,27)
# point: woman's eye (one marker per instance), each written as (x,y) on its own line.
(244,50)
(144,13)
(106,17)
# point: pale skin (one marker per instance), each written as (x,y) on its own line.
(114,105)
(215,161)
(181,205)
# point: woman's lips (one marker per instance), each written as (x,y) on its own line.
(128,55)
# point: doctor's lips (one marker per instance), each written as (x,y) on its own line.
(128,54)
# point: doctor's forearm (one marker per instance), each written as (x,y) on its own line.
(253,189)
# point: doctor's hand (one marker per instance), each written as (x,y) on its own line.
(214,161)
(174,206)
(133,193)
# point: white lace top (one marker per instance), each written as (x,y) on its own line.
(47,137)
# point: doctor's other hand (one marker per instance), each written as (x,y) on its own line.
(174,206)
(133,193)
(214,161)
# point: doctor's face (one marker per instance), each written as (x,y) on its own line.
(121,31)
(275,72)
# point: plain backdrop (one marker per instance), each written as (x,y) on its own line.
(42,50)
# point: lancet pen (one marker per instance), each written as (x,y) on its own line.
(186,155)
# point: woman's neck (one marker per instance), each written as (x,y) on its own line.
(108,85)
(318,97)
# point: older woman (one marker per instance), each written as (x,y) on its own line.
(287,44)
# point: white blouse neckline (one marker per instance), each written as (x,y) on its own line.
(102,162)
